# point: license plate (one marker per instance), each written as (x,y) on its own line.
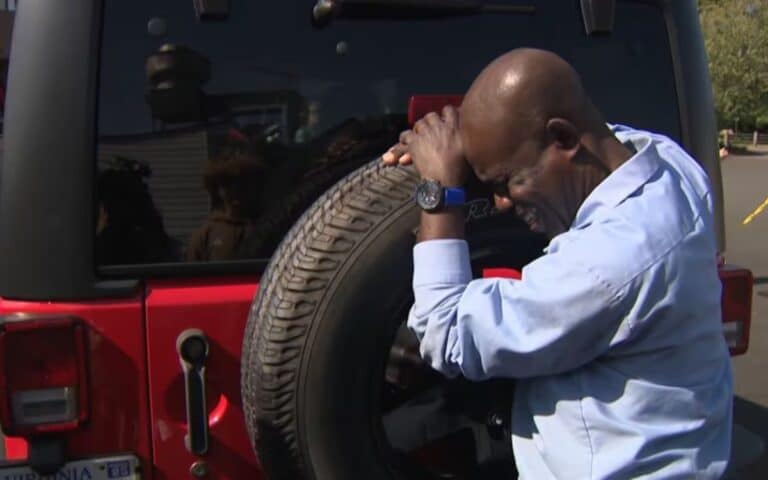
(124,467)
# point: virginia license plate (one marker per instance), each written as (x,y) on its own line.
(123,467)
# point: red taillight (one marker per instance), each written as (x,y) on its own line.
(736,307)
(420,105)
(43,382)
(501,272)
(16,448)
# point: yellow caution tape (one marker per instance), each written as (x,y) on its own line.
(755,212)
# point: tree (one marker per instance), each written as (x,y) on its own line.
(736,37)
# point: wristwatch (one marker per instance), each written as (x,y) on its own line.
(431,196)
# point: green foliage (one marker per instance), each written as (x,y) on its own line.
(761,122)
(736,36)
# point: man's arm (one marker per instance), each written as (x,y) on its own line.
(559,317)
(448,223)
(435,149)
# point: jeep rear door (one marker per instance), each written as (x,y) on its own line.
(216,309)
(155,155)
(216,131)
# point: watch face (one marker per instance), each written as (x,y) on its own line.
(429,194)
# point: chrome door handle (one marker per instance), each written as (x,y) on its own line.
(192,347)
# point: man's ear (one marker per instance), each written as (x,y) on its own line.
(563,133)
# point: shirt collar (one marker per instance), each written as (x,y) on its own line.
(623,181)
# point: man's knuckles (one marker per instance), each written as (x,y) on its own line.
(432,118)
(450,114)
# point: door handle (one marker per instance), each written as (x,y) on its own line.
(192,347)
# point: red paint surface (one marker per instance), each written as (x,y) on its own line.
(420,105)
(116,361)
(219,308)
(502,273)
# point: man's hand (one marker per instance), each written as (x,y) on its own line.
(434,147)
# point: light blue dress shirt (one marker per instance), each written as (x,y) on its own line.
(614,333)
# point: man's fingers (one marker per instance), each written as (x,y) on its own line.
(432,118)
(389,158)
(450,114)
(394,155)
(406,159)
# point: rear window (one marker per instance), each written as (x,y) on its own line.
(215,135)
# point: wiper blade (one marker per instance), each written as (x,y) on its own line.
(325,11)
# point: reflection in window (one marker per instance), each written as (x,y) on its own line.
(244,123)
(129,227)
(234,180)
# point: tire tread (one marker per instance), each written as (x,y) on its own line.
(304,265)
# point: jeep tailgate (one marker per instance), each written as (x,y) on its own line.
(217,309)
(118,414)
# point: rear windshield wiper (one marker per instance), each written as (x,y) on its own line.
(325,11)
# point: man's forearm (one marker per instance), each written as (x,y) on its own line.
(448,223)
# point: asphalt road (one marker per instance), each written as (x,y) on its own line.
(745,184)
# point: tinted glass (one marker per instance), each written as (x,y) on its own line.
(215,136)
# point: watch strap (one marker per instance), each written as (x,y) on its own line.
(454,196)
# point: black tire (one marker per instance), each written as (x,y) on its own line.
(320,330)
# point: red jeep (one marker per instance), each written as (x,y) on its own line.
(163,161)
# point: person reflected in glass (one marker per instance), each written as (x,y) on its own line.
(233,180)
(129,228)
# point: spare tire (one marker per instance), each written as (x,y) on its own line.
(319,339)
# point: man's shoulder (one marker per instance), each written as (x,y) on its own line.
(671,154)
(634,238)
(677,197)
(654,224)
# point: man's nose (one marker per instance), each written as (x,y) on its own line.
(502,203)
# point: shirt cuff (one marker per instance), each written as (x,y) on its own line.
(441,261)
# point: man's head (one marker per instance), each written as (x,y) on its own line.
(529,129)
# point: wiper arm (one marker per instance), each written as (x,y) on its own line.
(325,11)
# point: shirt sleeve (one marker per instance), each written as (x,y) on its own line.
(558,317)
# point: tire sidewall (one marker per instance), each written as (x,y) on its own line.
(343,364)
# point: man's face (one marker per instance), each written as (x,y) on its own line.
(526,175)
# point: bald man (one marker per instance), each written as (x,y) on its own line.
(614,333)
